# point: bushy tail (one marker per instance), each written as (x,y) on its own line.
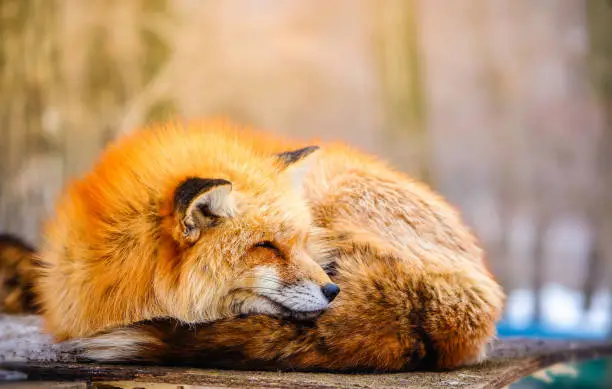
(17,274)
(391,315)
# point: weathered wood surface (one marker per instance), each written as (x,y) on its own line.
(508,361)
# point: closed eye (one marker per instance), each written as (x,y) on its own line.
(266,244)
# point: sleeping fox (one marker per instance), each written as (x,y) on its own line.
(188,222)
(415,289)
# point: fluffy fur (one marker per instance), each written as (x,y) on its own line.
(189,222)
(415,290)
(16,274)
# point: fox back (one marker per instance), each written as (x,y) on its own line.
(415,289)
(183,222)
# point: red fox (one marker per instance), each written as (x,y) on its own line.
(415,289)
(184,222)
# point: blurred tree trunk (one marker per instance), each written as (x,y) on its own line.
(542,224)
(600,28)
(27,80)
(402,85)
(67,69)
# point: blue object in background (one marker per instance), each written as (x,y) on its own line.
(595,374)
(536,330)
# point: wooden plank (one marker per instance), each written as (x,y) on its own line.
(508,361)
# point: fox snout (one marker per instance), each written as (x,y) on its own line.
(304,299)
(301,298)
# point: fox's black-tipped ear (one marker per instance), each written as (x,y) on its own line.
(297,171)
(201,203)
(290,157)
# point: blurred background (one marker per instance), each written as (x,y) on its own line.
(505,107)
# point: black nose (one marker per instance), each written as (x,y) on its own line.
(330,291)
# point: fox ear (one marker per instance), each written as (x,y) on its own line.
(200,203)
(290,157)
(289,162)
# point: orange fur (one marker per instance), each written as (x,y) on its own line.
(415,289)
(120,250)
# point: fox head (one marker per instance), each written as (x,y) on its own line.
(247,243)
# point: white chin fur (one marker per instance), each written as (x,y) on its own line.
(262,305)
(303,297)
